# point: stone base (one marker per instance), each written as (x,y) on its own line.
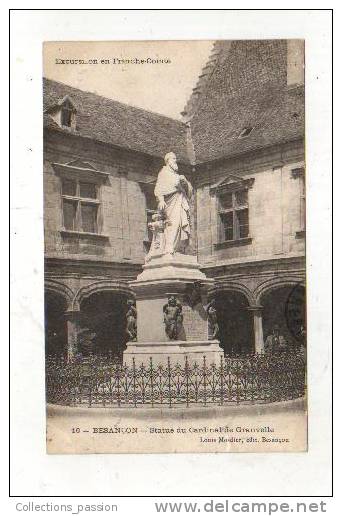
(176,275)
(176,350)
(171,267)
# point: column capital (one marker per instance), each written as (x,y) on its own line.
(71,313)
(254,308)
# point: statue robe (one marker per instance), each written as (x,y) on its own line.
(177,211)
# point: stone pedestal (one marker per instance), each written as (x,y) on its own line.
(178,275)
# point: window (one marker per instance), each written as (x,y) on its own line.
(233,215)
(66,116)
(149,233)
(246,131)
(88,190)
(69,215)
(299,173)
(151,207)
(63,113)
(302,204)
(80,206)
(227,221)
(89,218)
(69,187)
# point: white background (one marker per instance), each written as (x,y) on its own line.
(34,472)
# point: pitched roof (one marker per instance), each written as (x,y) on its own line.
(274,117)
(244,87)
(112,122)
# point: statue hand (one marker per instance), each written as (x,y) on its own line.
(161,205)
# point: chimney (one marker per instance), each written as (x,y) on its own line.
(295,61)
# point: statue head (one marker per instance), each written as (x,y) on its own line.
(172,301)
(171,160)
(276,329)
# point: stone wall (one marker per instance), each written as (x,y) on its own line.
(122,198)
(274,207)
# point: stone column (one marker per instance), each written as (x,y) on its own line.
(258,330)
(72,321)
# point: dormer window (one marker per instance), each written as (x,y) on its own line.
(66,116)
(63,113)
(246,131)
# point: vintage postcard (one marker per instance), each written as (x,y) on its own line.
(175,270)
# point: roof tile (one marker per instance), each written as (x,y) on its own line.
(112,122)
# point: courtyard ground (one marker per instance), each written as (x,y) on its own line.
(276,427)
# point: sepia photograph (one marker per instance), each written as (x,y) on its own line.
(174,241)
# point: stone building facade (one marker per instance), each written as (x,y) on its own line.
(241,144)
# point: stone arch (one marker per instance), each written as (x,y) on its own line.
(275,283)
(275,296)
(232,300)
(59,288)
(226,286)
(101,286)
(58,300)
(102,317)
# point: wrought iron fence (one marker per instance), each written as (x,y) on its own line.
(104,382)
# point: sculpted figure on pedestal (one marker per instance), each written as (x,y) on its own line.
(213,323)
(173,317)
(173,192)
(85,341)
(157,226)
(193,293)
(131,317)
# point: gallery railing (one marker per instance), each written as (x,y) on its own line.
(103,382)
